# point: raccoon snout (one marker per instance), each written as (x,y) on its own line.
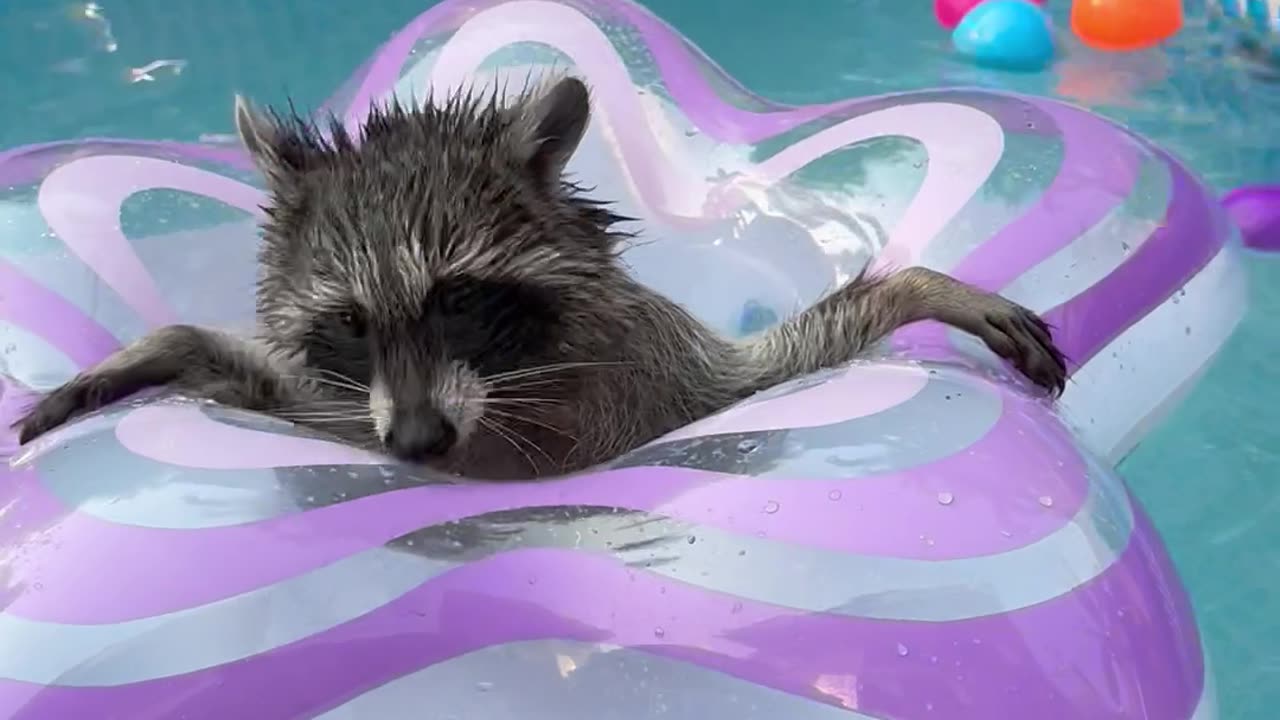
(420,436)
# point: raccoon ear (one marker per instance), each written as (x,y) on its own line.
(262,135)
(551,124)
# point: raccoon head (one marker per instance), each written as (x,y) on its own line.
(437,257)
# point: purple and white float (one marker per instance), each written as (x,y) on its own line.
(920,535)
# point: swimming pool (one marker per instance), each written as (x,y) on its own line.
(1202,475)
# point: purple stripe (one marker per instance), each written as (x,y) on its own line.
(997,486)
(1099,169)
(1123,641)
(46,314)
(1184,243)
(29,163)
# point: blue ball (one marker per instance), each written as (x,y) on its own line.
(1006,34)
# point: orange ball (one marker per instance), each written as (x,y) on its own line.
(1125,24)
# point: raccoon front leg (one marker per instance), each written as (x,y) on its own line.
(203,363)
(868,308)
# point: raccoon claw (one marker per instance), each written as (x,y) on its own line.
(1023,338)
(75,398)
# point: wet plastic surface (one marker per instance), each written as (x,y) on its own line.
(914,536)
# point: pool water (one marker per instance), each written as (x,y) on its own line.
(1204,475)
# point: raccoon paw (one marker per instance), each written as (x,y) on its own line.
(81,395)
(1023,338)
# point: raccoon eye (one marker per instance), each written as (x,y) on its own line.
(352,321)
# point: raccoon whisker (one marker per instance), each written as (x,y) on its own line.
(526,384)
(329,403)
(541,388)
(324,418)
(532,421)
(338,384)
(516,401)
(343,378)
(301,411)
(552,367)
(329,382)
(518,436)
(349,410)
(336,408)
(321,420)
(538,369)
(496,428)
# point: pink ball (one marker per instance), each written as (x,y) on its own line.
(950,12)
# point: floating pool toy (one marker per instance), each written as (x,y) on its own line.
(914,536)
(1256,210)
(1122,25)
(950,12)
(1006,34)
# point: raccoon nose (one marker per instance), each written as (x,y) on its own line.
(420,436)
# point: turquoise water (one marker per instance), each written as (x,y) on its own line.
(1204,475)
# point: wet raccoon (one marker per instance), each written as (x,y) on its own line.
(441,292)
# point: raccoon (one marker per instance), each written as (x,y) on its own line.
(443,293)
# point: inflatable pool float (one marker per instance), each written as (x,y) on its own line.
(1255,209)
(918,535)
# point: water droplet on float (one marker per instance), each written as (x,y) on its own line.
(659,632)
(835,495)
(533,580)
(771,507)
(737,608)
(747,447)
(1046,501)
(902,650)
(1006,533)
(946,498)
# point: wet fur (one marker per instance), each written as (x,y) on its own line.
(447,249)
